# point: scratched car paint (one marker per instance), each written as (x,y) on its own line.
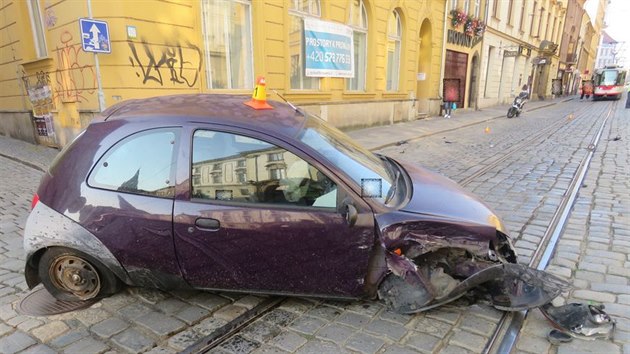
(204,192)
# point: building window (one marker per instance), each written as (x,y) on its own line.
(466,6)
(553,29)
(228,43)
(540,18)
(39,36)
(277,173)
(277,156)
(453,4)
(531,25)
(477,8)
(298,10)
(521,25)
(394,36)
(509,14)
(547,24)
(359,23)
(495,8)
(241,177)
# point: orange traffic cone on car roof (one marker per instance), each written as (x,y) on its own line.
(259,97)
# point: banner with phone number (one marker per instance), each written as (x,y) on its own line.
(328,49)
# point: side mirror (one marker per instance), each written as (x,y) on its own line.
(351,214)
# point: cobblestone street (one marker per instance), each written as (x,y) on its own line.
(593,252)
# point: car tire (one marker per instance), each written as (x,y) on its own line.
(71,275)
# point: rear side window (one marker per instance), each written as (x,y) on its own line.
(142,163)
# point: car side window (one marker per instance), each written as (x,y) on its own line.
(141,163)
(231,167)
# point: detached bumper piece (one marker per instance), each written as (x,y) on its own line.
(578,320)
(508,287)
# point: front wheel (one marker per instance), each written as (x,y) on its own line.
(71,275)
(511,112)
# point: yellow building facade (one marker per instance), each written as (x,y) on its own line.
(52,88)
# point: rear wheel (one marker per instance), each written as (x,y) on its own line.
(511,112)
(71,275)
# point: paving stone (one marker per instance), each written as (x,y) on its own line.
(161,350)
(364,343)
(133,311)
(15,342)
(611,288)
(468,340)
(587,347)
(171,305)
(109,327)
(192,314)
(49,331)
(239,344)
(280,317)
(86,346)
(317,347)
(594,296)
(209,325)
(395,317)
(296,305)
(133,341)
(184,339)
(395,331)
(208,301)
(68,338)
(324,312)
(229,312)
(160,324)
(445,315)
(396,349)
(266,349)
(477,325)
(533,344)
(433,327)
(453,349)
(39,349)
(353,319)
(423,342)
(307,325)
(249,301)
(260,331)
(289,341)
(29,324)
(335,333)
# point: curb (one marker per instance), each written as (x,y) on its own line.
(463,126)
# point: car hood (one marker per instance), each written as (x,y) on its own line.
(435,195)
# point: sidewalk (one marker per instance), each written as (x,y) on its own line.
(40,157)
(375,138)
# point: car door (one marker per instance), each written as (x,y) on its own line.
(130,202)
(259,217)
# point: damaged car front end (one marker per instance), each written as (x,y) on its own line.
(445,243)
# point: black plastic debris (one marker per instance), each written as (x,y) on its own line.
(580,320)
(557,337)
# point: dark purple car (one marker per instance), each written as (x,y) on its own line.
(203,191)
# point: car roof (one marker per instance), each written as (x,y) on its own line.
(210,108)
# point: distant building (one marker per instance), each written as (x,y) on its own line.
(608,53)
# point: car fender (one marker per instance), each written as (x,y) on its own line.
(46,228)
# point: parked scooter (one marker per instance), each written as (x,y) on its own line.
(519,103)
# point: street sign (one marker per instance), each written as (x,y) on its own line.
(95,36)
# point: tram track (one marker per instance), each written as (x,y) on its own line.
(504,337)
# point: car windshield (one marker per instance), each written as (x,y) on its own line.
(373,174)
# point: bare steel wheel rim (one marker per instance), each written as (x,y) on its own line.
(75,275)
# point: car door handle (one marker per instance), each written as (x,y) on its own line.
(207,224)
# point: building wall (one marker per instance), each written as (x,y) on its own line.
(167,56)
(512,49)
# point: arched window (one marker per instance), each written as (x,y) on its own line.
(394,35)
(228,43)
(298,10)
(359,23)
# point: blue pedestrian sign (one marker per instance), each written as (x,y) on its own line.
(95,36)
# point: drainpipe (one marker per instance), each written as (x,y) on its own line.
(441,83)
(101,96)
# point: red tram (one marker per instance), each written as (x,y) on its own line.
(608,82)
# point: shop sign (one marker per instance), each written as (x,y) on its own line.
(510,53)
(462,39)
(328,49)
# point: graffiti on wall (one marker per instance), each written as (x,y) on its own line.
(181,65)
(75,77)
